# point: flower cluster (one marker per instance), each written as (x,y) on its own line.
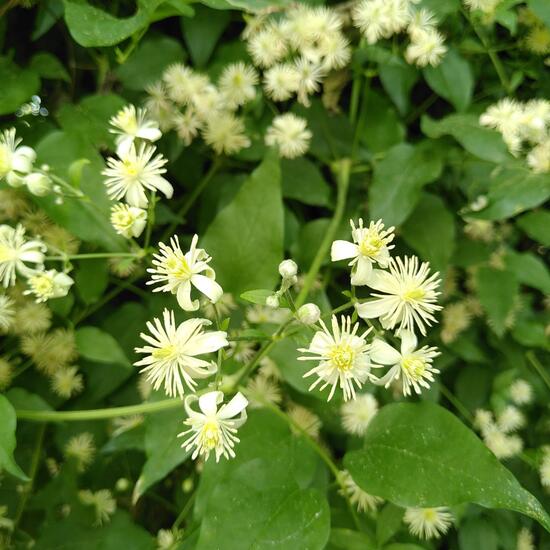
(405,301)
(136,170)
(524,128)
(377,19)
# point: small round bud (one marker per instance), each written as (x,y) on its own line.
(187,485)
(288,269)
(309,314)
(122,485)
(14,179)
(38,184)
(272,301)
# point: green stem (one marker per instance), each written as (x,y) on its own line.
(456,404)
(94,255)
(150,219)
(185,510)
(344,167)
(216,164)
(97,414)
(538,367)
(313,444)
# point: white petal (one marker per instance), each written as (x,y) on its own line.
(208,286)
(383,281)
(361,272)
(234,407)
(373,308)
(150,134)
(163,185)
(184,297)
(124,143)
(207,343)
(208,402)
(343,250)
(408,341)
(381,352)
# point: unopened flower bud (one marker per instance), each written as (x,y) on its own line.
(272,301)
(187,485)
(122,485)
(38,184)
(288,269)
(309,314)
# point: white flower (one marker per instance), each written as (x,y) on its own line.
(82,449)
(409,295)
(421,20)
(171,356)
(263,389)
(225,133)
(7,313)
(544,471)
(290,134)
(208,104)
(370,245)
(357,414)
(213,430)
(505,116)
(427,47)
(267,46)
(309,314)
(484,420)
(525,540)
(281,81)
(187,125)
(415,365)
(102,501)
(428,523)
(238,84)
(334,50)
(134,172)
(160,107)
(363,500)
(342,357)
(310,76)
(521,392)
(502,445)
(258,314)
(510,419)
(128,221)
(15,160)
(381,18)
(38,184)
(183,84)
(538,158)
(288,269)
(49,284)
(66,382)
(16,252)
(178,272)
(486,6)
(131,124)
(303,419)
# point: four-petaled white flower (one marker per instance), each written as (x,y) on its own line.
(49,284)
(213,429)
(15,160)
(131,124)
(342,356)
(134,172)
(409,295)
(16,252)
(370,245)
(414,365)
(171,356)
(178,272)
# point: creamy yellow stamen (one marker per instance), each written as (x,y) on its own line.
(165,352)
(371,244)
(414,294)
(342,356)
(210,435)
(414,366)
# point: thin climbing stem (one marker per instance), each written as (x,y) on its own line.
(94,255)
(342,181)
(537,365)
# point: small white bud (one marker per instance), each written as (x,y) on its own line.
(309,314)
(14,179)
(272,301)
(122,485)
(288,269)
(38,184)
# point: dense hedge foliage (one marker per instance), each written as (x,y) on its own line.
(168,381)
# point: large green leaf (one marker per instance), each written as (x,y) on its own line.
(303,181)
(162,447)
(8,424)
(246,237)
(263,498)
(482,142)
(421,455)
(452,79)
(18,85)
(98,346)
(399,178)
(430,230)
(536,225)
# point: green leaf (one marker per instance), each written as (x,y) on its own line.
(346,539)
(389,522)
(441,8)
(481,142)
(262,498)
(536,225)
(162,447)
(541,9)
(18,85)
(430,230)
(148,61)
(529,270)
(246,237)
(399,178)
(202,32)
(8,424)
(302,180)
(311,235)
(398,79)
(75,172)
(91,26)
(477,534)
(48,66)
(257,296)
(451,465)
(452,79)
(383,128)
(23,399)
(96,345)
(92,279)
(497,291)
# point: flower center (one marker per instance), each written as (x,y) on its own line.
(371,244)
(123,219)
(178,267)
(127,123)
(130,168)
(7,254)
(413,294)
(42,285)
(413,366)
(164,353)
(342,356)
(210,434)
